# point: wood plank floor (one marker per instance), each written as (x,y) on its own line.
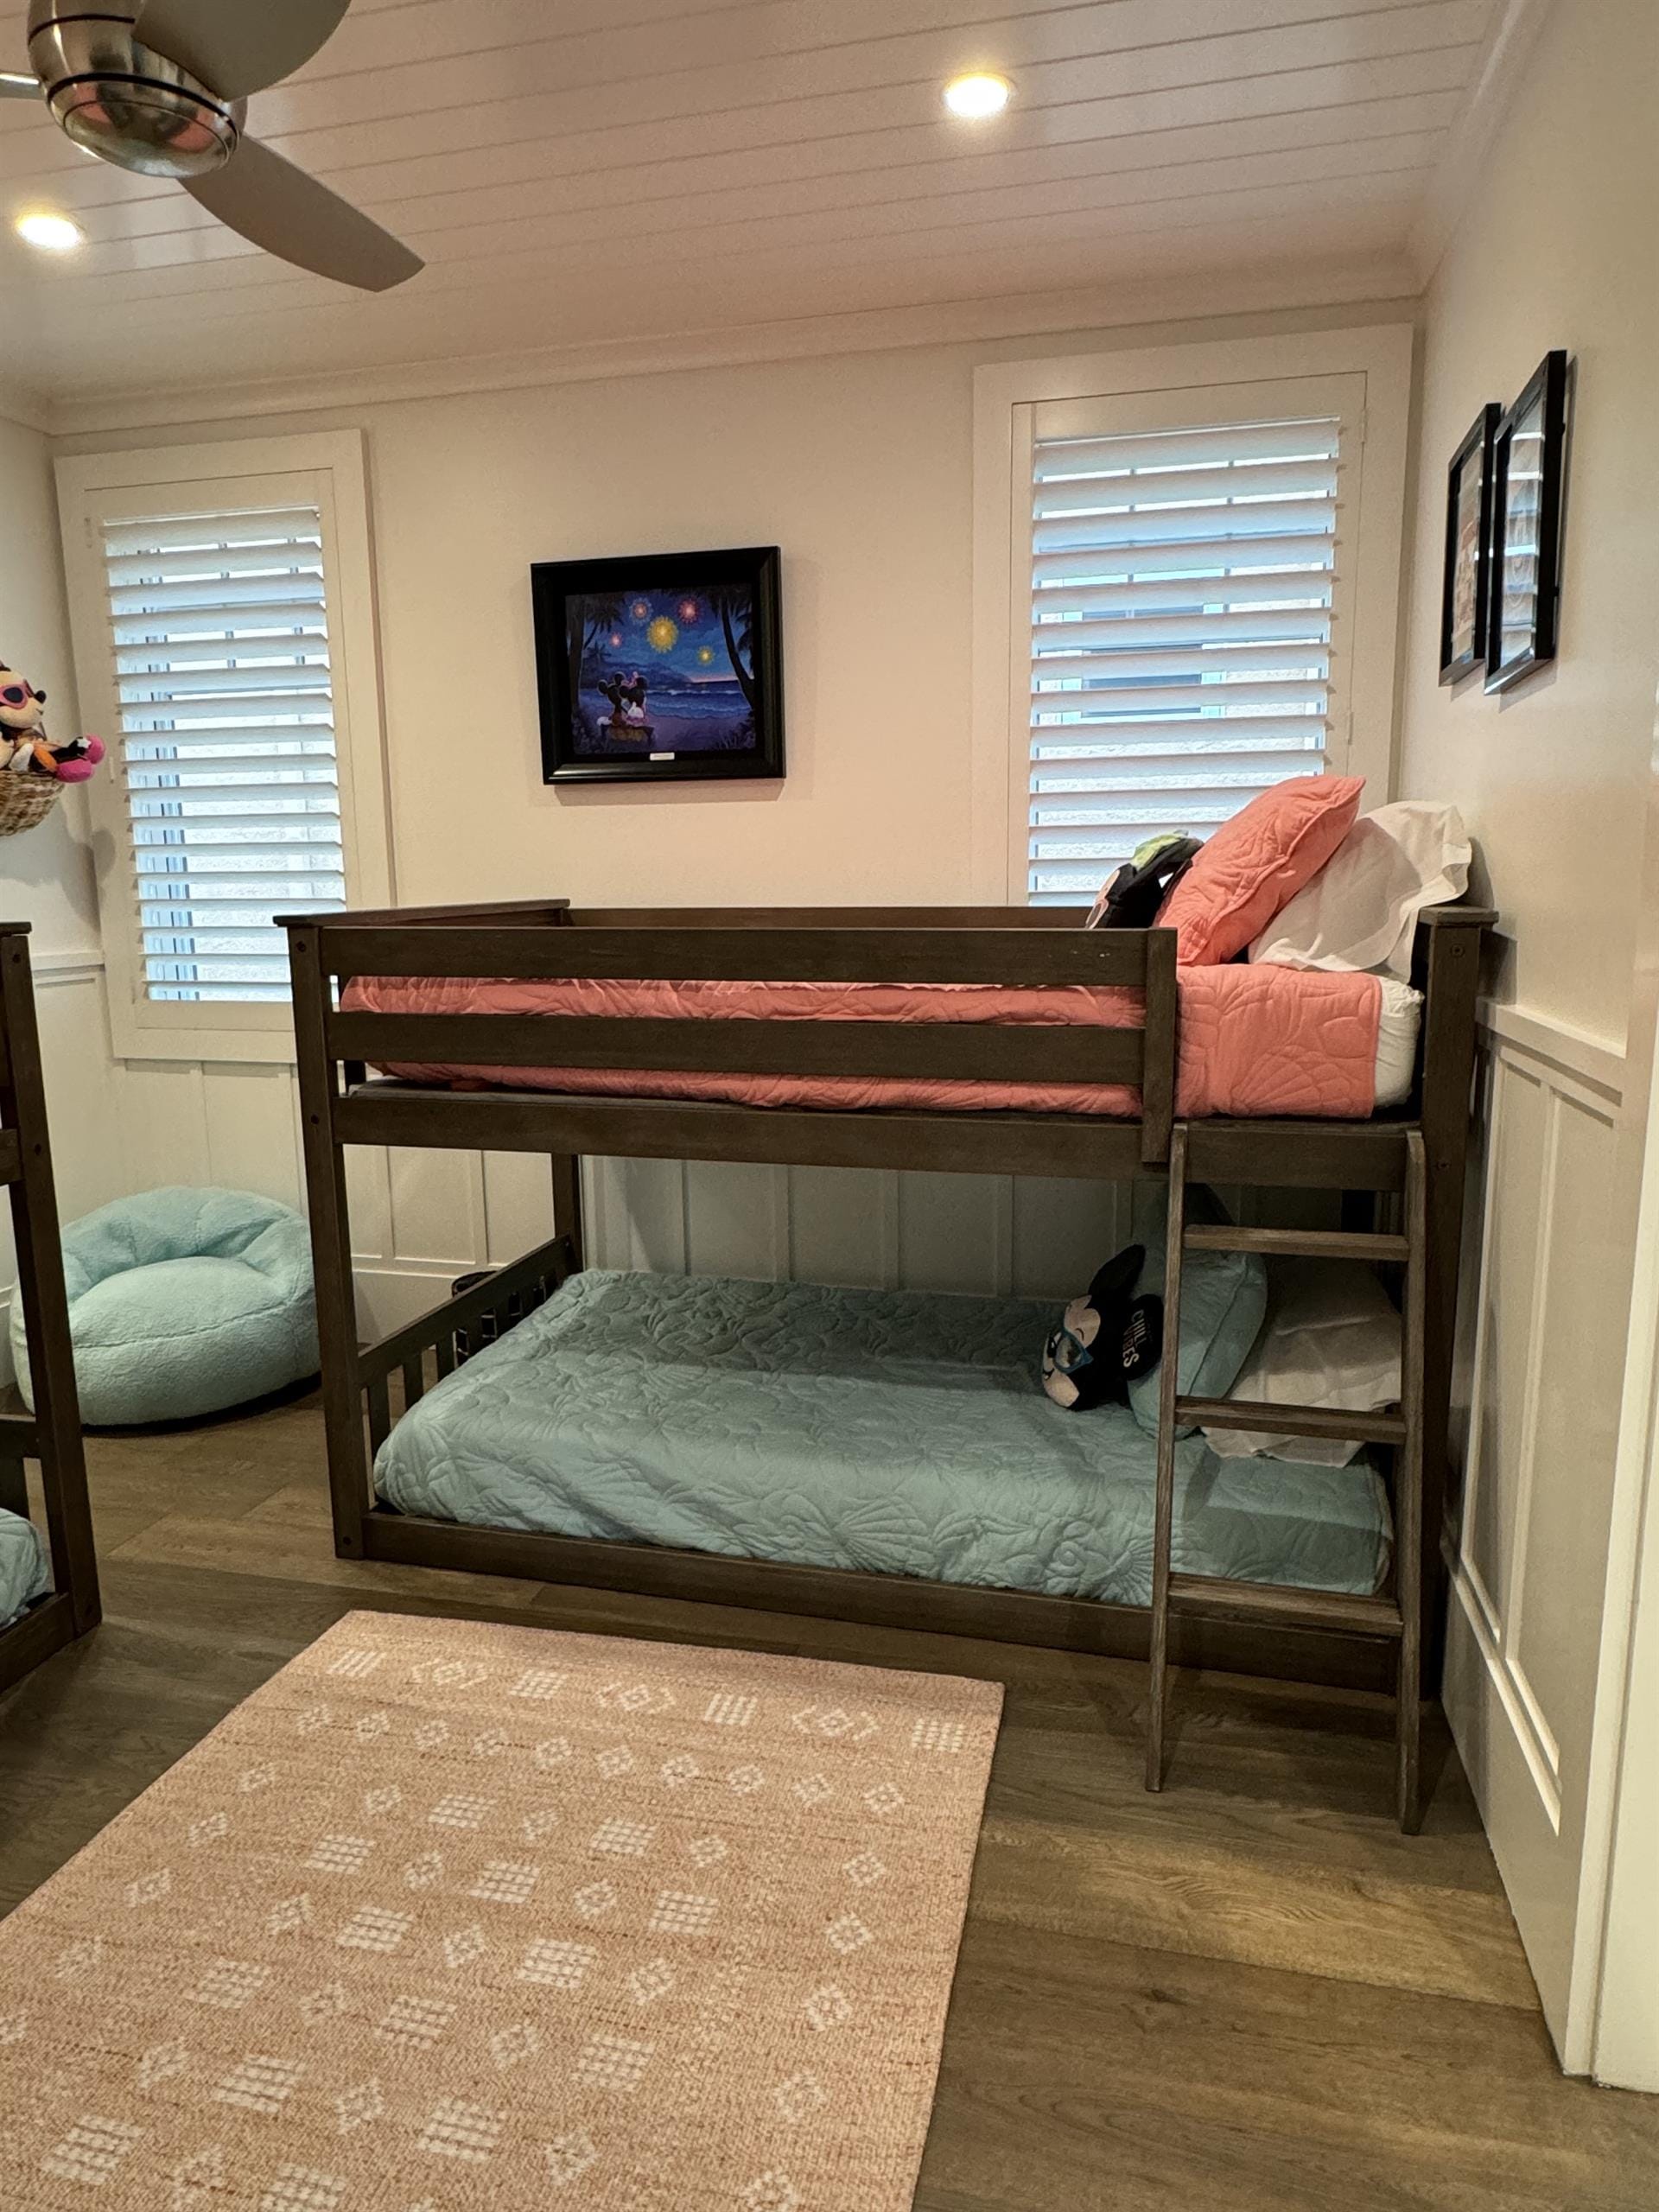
(1250,1994)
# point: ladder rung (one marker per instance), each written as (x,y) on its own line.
(1301,1244)
(1216,1597)
(1328,1421)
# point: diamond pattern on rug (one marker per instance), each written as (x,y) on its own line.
(382,1944)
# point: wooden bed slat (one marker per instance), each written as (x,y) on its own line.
(1217,1597)
(981,1052)
(1026,958)
(438,1325)
(1300,1155)
(884,1600)
(831,918)
(665,1128)
(1300,1243)
(1329,1422)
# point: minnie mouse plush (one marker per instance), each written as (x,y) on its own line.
(28,750)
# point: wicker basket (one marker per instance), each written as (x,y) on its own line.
(25,801)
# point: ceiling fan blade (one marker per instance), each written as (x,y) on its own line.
(236,47)
(15,85)
(277,206)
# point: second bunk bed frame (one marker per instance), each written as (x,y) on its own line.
(51,1435)
(1414,1160)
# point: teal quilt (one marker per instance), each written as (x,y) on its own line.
(900,1432)
(24,1576)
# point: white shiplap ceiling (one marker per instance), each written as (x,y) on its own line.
(584,172)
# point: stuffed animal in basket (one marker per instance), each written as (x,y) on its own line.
(25,749)
(22,711)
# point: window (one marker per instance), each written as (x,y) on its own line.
(223,644)
(1180,634)
(1181,617)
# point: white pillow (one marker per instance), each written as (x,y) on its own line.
(1332,1338)
(1360,911)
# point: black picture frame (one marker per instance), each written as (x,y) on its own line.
(1466,582)
(1528,473)
(660,615)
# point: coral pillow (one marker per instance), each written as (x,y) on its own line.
(1256,863)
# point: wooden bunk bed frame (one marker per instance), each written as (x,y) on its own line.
(341,1104)
(51,1435)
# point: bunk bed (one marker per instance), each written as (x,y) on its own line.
(383,990)
(48,1590)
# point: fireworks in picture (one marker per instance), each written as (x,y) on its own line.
(668,672)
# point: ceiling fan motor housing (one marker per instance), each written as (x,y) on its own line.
(117,99)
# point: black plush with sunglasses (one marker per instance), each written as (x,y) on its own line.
(1107,1338)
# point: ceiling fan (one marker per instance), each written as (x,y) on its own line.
(160,86)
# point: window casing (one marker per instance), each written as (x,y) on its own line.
(1186,589)
(221,603)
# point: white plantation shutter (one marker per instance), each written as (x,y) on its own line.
(219,625)
(1184,584)
(222,602)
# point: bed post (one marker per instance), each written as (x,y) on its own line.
(40,1285)
(1162,1048)
(331,1240)
(1449,971)
(566,1168)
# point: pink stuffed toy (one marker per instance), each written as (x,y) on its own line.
(27,748)
(74,762)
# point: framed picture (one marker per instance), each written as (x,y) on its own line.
(1468,548)
(1528,461)
(660,669)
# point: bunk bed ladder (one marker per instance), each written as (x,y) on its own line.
(1397,1617)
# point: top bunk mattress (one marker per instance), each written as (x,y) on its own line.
(23,1574)
(1254,1040)
(891,1431)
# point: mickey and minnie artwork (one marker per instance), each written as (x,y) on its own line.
(665,668)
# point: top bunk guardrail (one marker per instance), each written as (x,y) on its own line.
(547,941)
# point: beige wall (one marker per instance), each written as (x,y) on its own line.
(45,873)
(1558,249)
(860,466)
(1555,248)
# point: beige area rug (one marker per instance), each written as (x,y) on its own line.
(451,1916)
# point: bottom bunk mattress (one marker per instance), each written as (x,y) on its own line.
(24,1576)
(891,1430)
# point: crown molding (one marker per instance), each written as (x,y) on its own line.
(1373,277)
(1516,28)
(23,404)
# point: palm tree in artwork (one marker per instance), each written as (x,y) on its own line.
(734,604)
(590,619)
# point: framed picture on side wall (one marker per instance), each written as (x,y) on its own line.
(663,669)
(1468,548)
(1528,469)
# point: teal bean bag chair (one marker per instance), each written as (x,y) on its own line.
(183,1302)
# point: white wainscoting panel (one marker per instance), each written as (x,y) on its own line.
(1529,1544)
(92,1147)
(870,1228)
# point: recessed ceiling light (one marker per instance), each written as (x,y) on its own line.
(979,95)
(56,233)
